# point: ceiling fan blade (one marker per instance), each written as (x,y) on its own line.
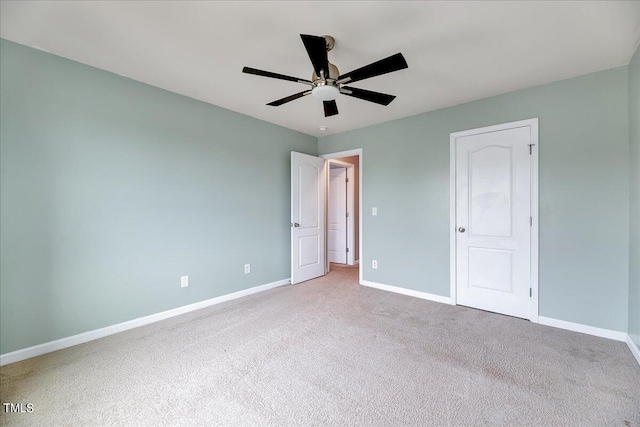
(257,72)
(367,95)
(393,63)
(317,49)
(330,108)
(289,98)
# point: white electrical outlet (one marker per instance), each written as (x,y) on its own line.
(374,264)
(247,268)
(374,211)
(184,281)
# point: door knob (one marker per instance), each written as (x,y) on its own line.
(461,229)
(295,224)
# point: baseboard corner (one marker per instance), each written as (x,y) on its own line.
(633,347)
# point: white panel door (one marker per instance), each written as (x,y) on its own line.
(493,241)
(307,217)
(337,212)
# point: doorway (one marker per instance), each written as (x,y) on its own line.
(494,218)
(341,216)
(309,206)
(351,160)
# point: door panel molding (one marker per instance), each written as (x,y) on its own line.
(532,124)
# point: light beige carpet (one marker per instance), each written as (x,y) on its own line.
(330,352)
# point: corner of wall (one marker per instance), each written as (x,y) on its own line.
(634,199)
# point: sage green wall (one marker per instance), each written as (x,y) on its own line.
(634,211)
(584,194)
(112,189)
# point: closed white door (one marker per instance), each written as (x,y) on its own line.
(307,217)
(493,221)
(337,215)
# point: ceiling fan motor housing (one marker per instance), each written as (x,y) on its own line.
(333,73)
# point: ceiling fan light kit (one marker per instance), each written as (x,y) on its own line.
(325,92)
(326,81)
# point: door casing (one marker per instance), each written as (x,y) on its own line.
(533,124)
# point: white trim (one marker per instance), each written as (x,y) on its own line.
(48,347)
(584,329)
(535,234)
(499,127)
(633,347)
(533,125)
(453,259)
(351,233)
(409,292)
(348,153)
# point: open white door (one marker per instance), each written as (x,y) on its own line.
(308,200)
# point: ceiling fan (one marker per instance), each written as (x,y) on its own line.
(327,82)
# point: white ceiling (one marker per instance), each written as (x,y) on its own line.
(457,51)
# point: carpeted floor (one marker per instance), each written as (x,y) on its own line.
(330,352)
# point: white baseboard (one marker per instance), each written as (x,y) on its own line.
(634,348)
(585,329)
(405,291)
(37,350)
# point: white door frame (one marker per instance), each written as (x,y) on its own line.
(348,153)
(533,124)
(350,219)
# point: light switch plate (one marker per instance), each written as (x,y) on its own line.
(184,281)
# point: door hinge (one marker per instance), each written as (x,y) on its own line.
(347,250)
(530,292)
(347,214)
(346,180)
(531,148)
(530,221)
